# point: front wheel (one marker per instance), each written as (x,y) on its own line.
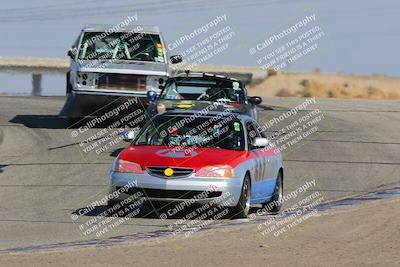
(241,210)
(275,204)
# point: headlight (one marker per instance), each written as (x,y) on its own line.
(127,167)
(87,79)
(153,83)
(223,171)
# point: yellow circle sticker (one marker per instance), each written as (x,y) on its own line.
(168,172)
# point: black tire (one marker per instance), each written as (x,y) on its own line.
(275,204)
(241,210)
(68,84)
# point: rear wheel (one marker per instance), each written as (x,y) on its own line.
(241,210)
(275,204)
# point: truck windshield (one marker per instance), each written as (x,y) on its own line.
(121,46)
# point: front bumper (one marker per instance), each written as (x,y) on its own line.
(220,191)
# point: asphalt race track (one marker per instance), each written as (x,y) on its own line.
(45,178)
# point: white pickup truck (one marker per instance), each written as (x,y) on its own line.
(109,66)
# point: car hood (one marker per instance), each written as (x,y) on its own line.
(186,158)
(120,67)
(201,105)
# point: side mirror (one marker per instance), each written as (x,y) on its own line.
(151,96)
(176,59)
(260,142)
(72,52)
(255,100)
(128,136)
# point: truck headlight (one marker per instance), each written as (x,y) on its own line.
(154,83)
(87,79)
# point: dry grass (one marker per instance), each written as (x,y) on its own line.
(328,86)
(272,72)
(284,93)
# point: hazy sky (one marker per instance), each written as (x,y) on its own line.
(361,36)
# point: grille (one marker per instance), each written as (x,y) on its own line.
(122,82)
(178,172)
(178,194)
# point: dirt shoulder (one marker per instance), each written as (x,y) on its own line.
(367,235)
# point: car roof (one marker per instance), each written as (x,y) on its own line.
(112,28)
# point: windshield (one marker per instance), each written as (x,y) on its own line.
(121,46)
(204,90)
(206,132)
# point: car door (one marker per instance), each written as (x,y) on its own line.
(263,181)
(271,157)
(260,166)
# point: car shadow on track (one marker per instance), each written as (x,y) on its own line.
(158,211)
(265,107)
(56,122)
(40,121)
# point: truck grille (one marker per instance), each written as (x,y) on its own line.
(178,172)
(126,82)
